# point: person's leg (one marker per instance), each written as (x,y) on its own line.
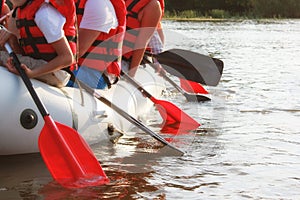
(58,78)
(91,77)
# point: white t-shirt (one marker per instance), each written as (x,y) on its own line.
(101,19)
(51,22)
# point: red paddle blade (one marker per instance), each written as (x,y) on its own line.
(192,87)
(68,157)
(171,114)
(177,129)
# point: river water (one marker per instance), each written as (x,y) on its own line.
(248,144)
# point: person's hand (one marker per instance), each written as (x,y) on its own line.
(4,36)
(159,69)
(11,67)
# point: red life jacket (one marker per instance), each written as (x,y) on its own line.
(32,39)
(106,51)
(132,26)
(1,7)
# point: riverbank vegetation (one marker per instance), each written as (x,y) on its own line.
(225,9)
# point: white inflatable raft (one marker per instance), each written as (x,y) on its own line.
(21,122)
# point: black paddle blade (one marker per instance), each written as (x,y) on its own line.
(192,66)
(196,97)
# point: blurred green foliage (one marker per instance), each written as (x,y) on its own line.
(223,8)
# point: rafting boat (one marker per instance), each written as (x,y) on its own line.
(21,122)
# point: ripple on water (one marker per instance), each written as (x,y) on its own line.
(247,146)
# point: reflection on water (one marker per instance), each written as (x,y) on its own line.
(247,146)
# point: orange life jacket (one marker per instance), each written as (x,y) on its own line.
(106,51)
(132,26)
(1,7)
(32,39)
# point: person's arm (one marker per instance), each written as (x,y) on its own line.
(98,17)
(10,35)
(149,18)
(51,23)
(13,39)
(5,13)
(64,58)
(52,27)
(86,37)
(161,32)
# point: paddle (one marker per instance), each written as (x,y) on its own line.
(68,157)
(191,65)
(192,87)
(170,113)
(131,119)
(188,96)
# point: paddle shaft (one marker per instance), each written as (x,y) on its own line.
(41,107)
(145,59)
(27,81)
(131,119)
(73,158)
(188,96)
(138,86)
(173,83)
(169,112)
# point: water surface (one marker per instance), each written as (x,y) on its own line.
(248,146)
